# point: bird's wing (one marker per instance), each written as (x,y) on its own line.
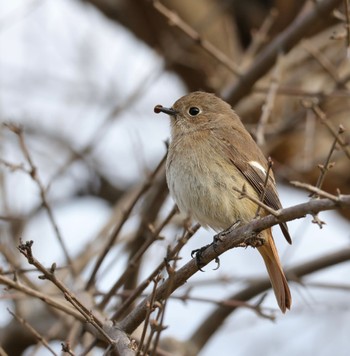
(253,166)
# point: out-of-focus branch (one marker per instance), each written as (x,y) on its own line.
(175,20)
(170,255)
(34,332)
(33,173)
(281,44)
(117,229)
(54,302)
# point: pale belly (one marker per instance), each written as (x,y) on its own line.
(207,195)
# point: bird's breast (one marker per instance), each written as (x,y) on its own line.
(201,182)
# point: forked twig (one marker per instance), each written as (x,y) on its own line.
(115,233)
(135,259)
(255,200)
(33,173)
(315,190)
(171,253)
(26,250)
(333,131)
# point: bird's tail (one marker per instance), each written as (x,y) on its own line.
(278,280)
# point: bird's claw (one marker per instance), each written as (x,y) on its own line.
(197,254)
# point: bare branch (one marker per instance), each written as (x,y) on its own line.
(54,302)
(235,238)
(175,20)
(114,235)
(33,173)
(212,323)
(26,250)
(171,253)
(347,26)
(135,259)
(314,190)
(282,43)
(34,332)
(269,103)
(334,132)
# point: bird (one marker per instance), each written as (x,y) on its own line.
(211,156)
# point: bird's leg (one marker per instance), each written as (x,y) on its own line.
(255,240)
(217,238)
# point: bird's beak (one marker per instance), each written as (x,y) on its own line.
(169,111)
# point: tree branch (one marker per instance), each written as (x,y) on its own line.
(233,239)
(281,44)
(213,322)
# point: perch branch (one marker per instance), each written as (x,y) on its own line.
(233,239)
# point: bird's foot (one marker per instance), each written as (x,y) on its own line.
(197,254)
(254,241)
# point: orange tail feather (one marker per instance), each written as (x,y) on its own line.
(278,280)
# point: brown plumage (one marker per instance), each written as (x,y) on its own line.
(211,152)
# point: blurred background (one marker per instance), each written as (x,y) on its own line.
(81,78)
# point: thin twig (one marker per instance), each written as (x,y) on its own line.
(159,322)
(34,332)
(323,118)
(150,309)
(53,302)
(156,324)
(33,173)
(315,190)
(175,20)
(269,104)
(26,250)
(325,167)
(347,27)
(259,38)
(170,255)
(255,200)
(324,62)
(67,349)
(282,43)
(115,233)
(135,259)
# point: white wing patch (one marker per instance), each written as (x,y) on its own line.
(258,166)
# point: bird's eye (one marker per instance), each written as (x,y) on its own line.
(193,111)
